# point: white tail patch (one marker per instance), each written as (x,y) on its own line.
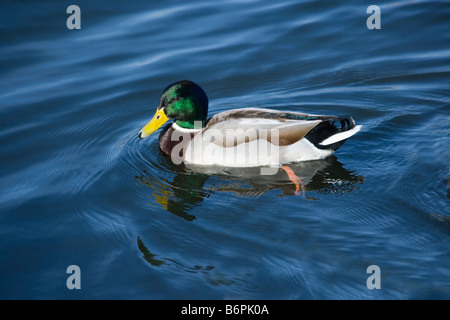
(340,136)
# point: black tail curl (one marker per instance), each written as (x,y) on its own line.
(329,128)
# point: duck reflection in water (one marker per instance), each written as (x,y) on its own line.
(189,186)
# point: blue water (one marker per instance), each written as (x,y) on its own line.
(79,188)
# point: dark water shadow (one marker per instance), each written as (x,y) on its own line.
(210,273)
(180,195)
(189,186)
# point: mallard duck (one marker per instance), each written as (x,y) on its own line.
(241,137)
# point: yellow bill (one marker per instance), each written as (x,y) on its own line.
(157,121)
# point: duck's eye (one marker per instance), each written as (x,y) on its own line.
(158,116)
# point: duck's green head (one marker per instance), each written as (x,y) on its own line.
(184,101)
